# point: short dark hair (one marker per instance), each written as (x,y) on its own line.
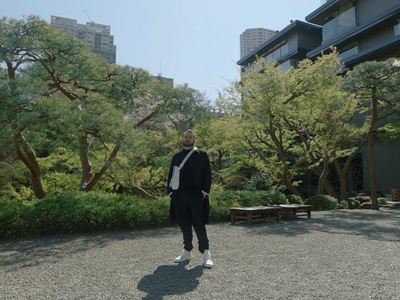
(191,131)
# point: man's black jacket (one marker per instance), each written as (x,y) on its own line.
(195,176)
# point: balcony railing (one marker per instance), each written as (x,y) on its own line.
(339,24)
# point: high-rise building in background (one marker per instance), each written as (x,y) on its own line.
(97,36)
(252,38)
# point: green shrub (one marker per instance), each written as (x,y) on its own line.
(252,198)
(14,218)
(322,202)
(294,199)
(220,202)
(363,199)
(353,203)
(274,197)
(245,198)
(78,212)
(258,182)
(382,201)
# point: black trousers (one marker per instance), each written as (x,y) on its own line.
(189,211)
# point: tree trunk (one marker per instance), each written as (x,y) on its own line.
(342,179)
(289,185)
(342,172)
(28,157)
(329,189)
(322,178)
(372,177)
(371,152)
(24,151)
(85,162)
(92,182)
(88,179)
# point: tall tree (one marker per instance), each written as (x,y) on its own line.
(222,137)
(185,107)
(54,79)
(17,41)
(375,85)
(323,121)
(298,120)
(263,107)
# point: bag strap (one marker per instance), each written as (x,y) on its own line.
(187,157)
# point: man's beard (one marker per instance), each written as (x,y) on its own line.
(188,144)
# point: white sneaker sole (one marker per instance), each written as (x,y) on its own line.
(178,260)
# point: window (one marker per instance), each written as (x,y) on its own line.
(397,28)
(285,49)
(285,65)
(348,51)
(278,53)
(342,22)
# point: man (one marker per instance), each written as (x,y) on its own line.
(189,202)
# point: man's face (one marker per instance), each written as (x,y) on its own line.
(188,139)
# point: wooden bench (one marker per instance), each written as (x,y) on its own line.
(255,213)
(293,211)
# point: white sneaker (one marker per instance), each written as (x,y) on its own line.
(207,262)
(185,255)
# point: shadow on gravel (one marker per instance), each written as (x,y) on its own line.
(380,225)
(170,280)
(25,253)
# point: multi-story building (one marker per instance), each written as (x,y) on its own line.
(252,38)
(287,47)
(97,36)
(361,30)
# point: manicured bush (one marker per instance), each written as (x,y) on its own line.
(14,218)
(253,198)
(322,202)
(363,199)
(294,199)
(274,197)
(220,202)
(343,204)
(382,201)
(258,182)
(353,203)
(78,212)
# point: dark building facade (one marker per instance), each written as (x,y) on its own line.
(361,30)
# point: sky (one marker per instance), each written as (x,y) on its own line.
(192,41)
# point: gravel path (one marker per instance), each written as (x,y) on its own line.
(339,254)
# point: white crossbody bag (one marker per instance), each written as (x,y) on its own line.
(174,183)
